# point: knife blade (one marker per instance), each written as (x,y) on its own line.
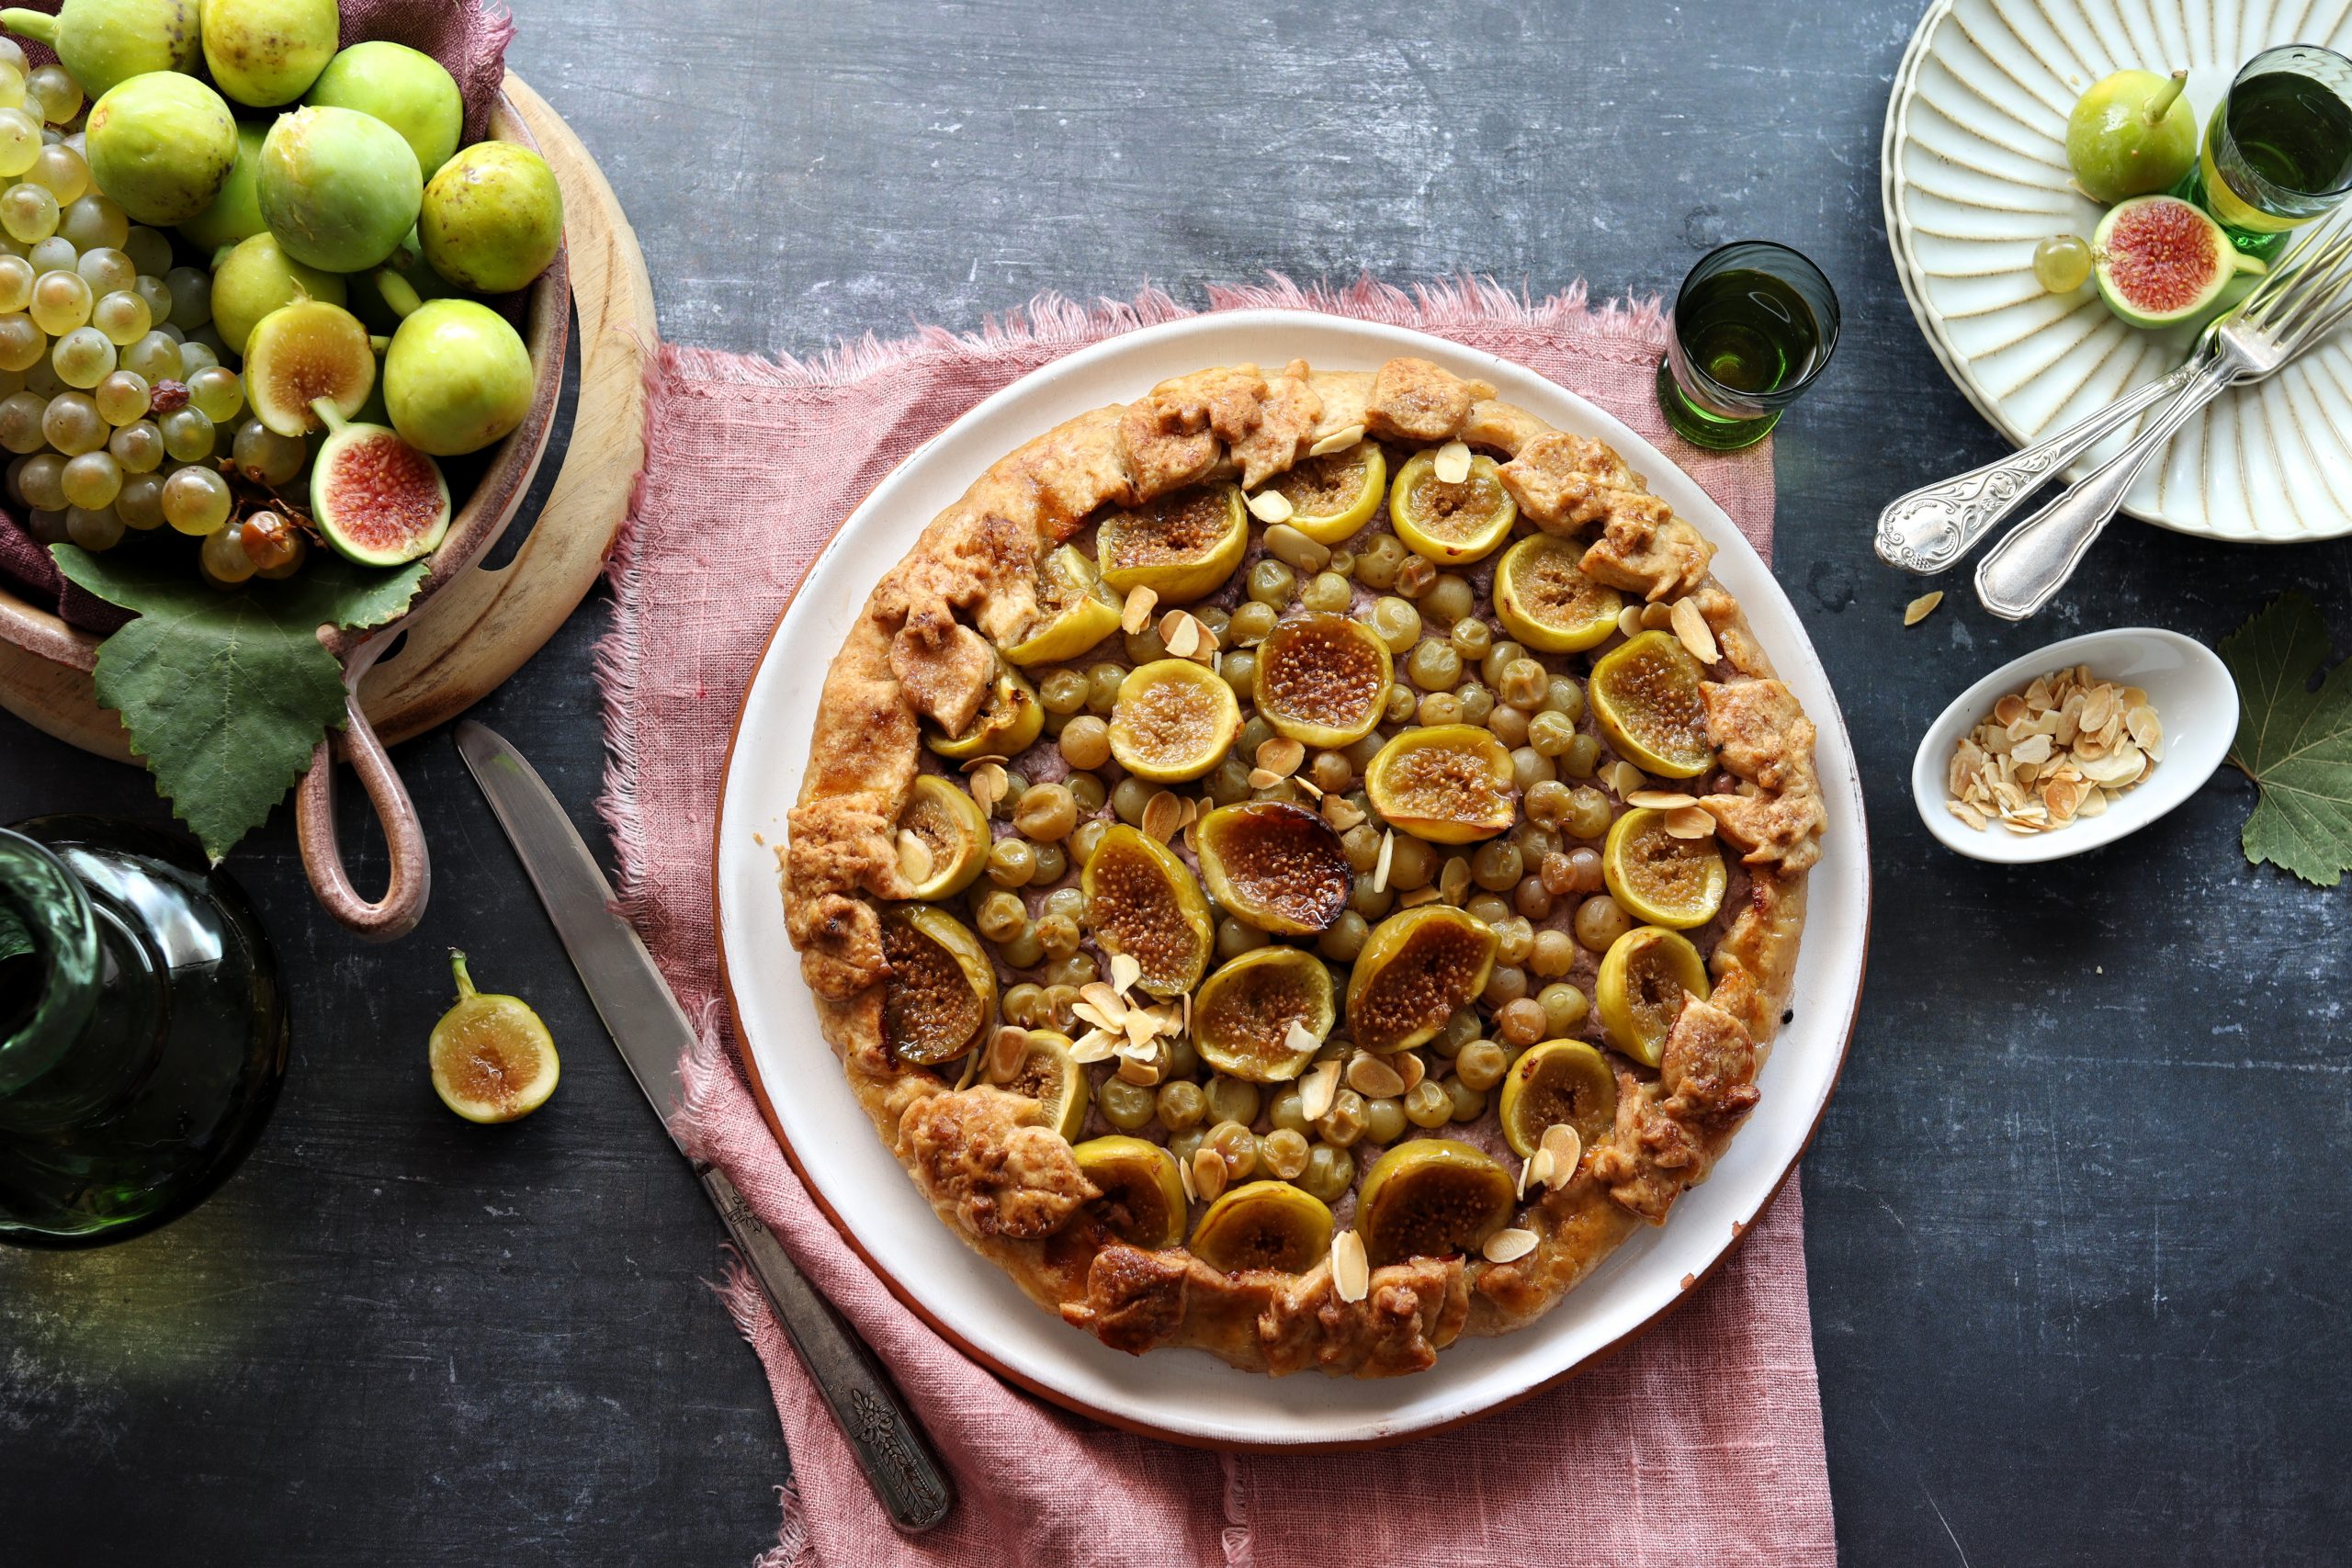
(654,1036)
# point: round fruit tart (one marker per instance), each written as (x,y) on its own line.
(1301,864)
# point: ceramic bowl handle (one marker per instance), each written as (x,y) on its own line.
(403,905)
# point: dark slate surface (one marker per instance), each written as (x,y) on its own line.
(2077,1256)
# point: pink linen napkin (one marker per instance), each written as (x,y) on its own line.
(1700,1443)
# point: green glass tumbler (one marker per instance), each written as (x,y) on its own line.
(1753,325)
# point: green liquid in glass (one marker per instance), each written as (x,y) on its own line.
(2293,131)
(1747,332)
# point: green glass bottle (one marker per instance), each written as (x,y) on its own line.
(142,1030)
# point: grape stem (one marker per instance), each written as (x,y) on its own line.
(39,25)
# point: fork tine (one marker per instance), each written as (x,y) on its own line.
(2297,278)
(2316,296)
(2288,268)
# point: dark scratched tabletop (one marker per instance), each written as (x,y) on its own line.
(2076,1220)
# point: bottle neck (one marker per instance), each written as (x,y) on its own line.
(51,962)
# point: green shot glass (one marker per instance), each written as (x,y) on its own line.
(1754,325)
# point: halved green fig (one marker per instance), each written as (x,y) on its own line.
(1049,1076)
(1415,969)
(1639,991)
(2159,261)
(1274,864)
(1007,724)
(1450,524)
(1264,1224)
(1323,679)
(303,354)
(1677,882)
(1543,598)
(940,995)
(1333,496)
(1173,720)
(1560,1081)
(1143,1197)
(1074,610)
(1180,547)
(1142,901)
(954,835)
(1448,783)
(1243,1017)
(1645,701)
(1432,1198)
(377,500)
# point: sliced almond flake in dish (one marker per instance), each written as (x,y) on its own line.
(1380,866)
(1659,799)
(1095,1045)
(1350,1274)
(1143,1031)
(2033,749)
(1087,1012)
(1182,634)
(1629,620)
(1269,506)
(1162,814)
(1339,814)
(1626,780)
(1453,879)
(1451,462)
(1126,970)
(1340,440)
(1689,822)
(1209,1174)
(1919,609)
(1537,1171)
(1314,791)
(988,787)
(1135,613)
(2094,802)
(1104,995)
(1567,1148)
(1142,1072)
(1318,1090)
(1185,1172)
(1264,778)
(1299,1038)
(1410,1068)
(1657,618)
(1690,625)
(1374,1078)
(1282,754)
(1425,894)
(1008,1048)
(971,1070)
(914,856)
(2147,730)
(1509,1245)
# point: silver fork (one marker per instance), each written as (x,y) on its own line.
(2295,306)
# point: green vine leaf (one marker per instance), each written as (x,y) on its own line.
(226,694)
(2294,740)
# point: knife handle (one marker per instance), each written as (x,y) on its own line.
(890,1448)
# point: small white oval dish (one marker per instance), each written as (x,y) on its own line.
(2187,684)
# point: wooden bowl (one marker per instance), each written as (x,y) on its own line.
(497,494)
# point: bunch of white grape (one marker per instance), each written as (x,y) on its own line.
(113,396)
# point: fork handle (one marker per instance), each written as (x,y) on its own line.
(1934,526)
(2021,575)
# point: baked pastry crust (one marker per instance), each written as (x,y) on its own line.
(923,648)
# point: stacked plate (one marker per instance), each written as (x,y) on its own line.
(1974,175)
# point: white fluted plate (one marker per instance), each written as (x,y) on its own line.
(1974,175)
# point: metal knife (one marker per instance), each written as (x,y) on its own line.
(654,1036)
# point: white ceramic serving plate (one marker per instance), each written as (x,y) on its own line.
(1187,1394)
(1974,174)
(2186,683)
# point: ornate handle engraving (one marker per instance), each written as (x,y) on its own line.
(1931,528)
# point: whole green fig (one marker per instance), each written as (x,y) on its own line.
(162,146)
(339,188)
(266,52)
(235,213)
(406,90)
(102,42)
(457,377)
(493,218)
(257,277)
(2132,133)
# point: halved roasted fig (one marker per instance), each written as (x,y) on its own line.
(1173,720)
(1415,969)
(1074,610)
(1560,1081)
(1332,496)
(1450,522)
(1667,881)
(1639,991)
(1263,1225)
(941,994)
(1048,1073)
(1243,1017)
(1323,679)
(1448,783)
(1432,1198)
(1645,699)
(1008,723)
(1543,598)
(942,839)
(1142,901)
(1180,547)
(1274,864)
(1143,1197)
